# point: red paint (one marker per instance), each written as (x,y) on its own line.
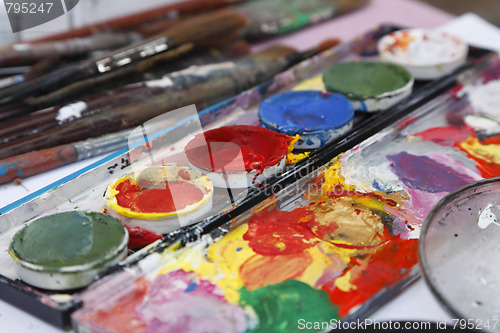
(276,232)
(138,238)
(339,191)
(184,174)
(446,136)
(384,269)
(123,311)
(157,199)
(218,149)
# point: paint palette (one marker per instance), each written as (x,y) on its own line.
(459,251)
(336,244)
(85,189)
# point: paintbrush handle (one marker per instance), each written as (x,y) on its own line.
(193,30)
(28,53)
(44,119)
(36,162)
(131,22)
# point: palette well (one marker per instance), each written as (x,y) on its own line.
(68,250)
(426,54)
(370,85)
(238,156)
(318,117)
(160,199)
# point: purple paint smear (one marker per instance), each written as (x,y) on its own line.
(180,302)
(425,174)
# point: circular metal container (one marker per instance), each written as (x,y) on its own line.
(460,253)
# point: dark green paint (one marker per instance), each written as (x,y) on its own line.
(69,239)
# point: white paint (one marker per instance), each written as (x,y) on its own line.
(486,98)
(482,122)
(489,215)
(206,70)
(73,110)
(160,83)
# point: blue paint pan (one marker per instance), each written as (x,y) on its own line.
(318,117)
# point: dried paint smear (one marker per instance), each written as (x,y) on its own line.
(355,235)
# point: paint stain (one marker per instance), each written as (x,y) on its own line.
(181,302)
(426,174)
(380,270)
(161,198)
(280,233)
(279,307)
(260,271)
(446,136)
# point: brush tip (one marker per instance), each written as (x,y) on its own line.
(328,44)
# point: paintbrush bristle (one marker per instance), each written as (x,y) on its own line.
(327,44)
(201,27)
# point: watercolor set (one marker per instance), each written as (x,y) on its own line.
(344,238)
(150,168)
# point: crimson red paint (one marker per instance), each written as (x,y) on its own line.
(386,267)
(138,238)
(157,199)
(280,232)
(446,136)
(217,150)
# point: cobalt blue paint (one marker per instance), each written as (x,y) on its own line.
(318,117)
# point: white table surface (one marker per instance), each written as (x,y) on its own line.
(415,303)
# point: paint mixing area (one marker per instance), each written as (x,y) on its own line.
(248,166)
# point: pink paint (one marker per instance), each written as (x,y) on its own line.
(181,302)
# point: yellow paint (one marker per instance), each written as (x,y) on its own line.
(219,263)
(325,258)
(334,178)
(294,158)
(344,282)
(315,83)
(487,152)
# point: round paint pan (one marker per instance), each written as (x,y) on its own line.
(238,156)
(371,86)
(318,117)
(68,250)
(160,198)
(460,252)
(426,54)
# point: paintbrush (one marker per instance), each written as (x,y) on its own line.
(148,69)
(191,30)
(39,68)
(135,21)
(48,118)
(203,86)
(24,53)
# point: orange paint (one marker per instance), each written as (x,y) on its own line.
(157,199)
(259,271)
(123,310)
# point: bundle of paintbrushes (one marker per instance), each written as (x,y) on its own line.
(86,108)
